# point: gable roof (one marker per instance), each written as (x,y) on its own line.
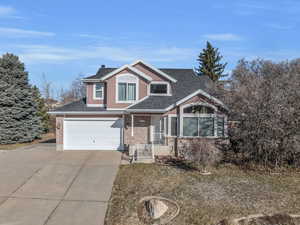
(162,73)
(101,76)
(104,73)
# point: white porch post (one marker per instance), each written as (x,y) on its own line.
(132,124)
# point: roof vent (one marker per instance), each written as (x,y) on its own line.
(103,66)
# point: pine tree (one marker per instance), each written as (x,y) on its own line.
(19,119)
(210,63)
(42,109)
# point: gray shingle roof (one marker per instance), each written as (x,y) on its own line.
(187,83)
(101,72)
(79,106)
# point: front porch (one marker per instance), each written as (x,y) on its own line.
(145,136)
(156,134)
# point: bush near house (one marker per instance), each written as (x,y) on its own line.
(20,120)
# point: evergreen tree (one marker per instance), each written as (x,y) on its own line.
(42,109)
(210,63)
(19,119)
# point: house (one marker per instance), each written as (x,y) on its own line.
(139,104)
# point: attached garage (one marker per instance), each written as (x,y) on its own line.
(93,134)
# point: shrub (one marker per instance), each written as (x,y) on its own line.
(202,152)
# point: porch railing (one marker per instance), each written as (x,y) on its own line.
(158,138)
(142,151)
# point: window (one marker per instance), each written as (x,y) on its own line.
(126,91)
(199,109)
(159,88)
(98,91)
(220,126)
(173,126)
(126,88)
(206,126)
(190,126)
(198,126)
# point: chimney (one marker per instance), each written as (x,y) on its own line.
(103,66)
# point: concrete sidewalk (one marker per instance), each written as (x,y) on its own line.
(40,186)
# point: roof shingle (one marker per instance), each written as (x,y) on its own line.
(187,83)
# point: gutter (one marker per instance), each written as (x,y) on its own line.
(147,110)
(85,112)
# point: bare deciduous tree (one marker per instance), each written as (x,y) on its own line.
(265,97)
(46,88)
(75,92)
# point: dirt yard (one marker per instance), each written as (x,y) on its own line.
(230,192)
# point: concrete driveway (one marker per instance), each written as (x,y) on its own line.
(40,186)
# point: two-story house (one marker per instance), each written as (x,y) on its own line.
(141,104)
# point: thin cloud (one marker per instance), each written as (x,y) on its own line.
(222,37)
(15,32)
(88,36)
(278,26)
(50,54)
(7,11)
(252,7)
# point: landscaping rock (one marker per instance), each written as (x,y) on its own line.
(155,208)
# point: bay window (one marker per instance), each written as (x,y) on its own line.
(202,121)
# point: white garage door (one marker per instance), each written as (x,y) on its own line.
(93,134)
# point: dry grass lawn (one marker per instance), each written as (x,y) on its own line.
(45,137)
(230,192)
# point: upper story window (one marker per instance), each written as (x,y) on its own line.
(127,91)
(127,88)
(98,91)
(159,88)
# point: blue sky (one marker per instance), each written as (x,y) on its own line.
(64,38)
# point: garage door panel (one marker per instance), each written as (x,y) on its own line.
(92,134)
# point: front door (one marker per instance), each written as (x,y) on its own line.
(157,136)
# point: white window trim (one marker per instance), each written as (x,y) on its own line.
(94,91)
(160,82)
(215,116)
(170,116)
(95,105)
(140,73)
(130,82)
